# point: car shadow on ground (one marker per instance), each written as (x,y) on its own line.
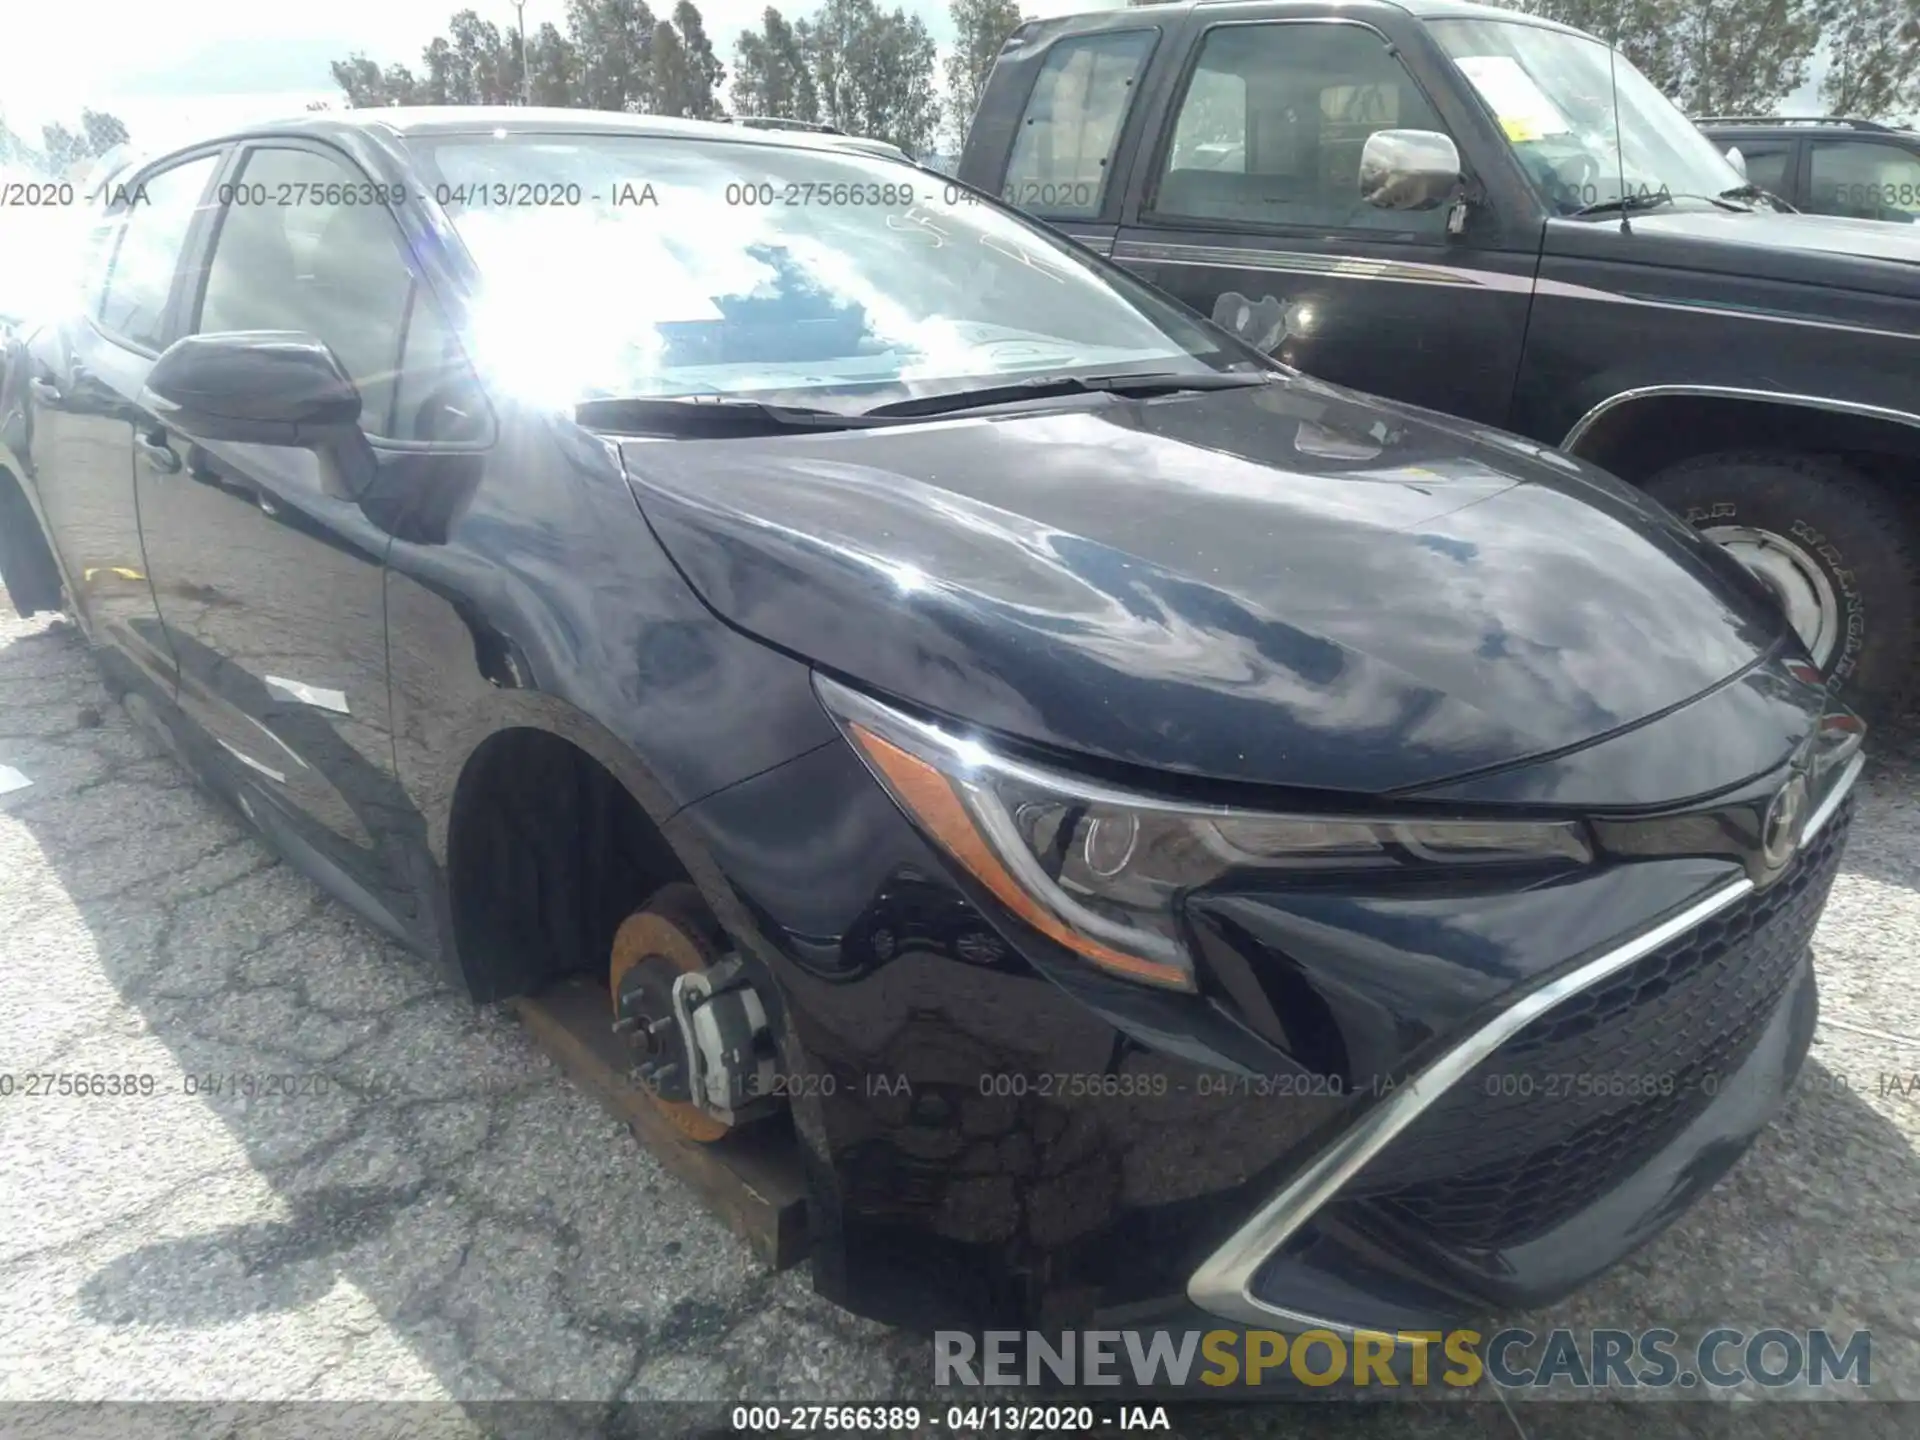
(420,1205)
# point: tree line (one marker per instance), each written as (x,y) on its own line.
(1743,57)
(850,64)
(870,71)
(61,148)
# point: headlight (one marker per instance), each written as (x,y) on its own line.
(1103,872)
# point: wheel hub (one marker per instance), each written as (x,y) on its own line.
(1793,577)
(643,1011)
(651,950)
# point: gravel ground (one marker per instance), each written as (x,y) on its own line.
(452,1223)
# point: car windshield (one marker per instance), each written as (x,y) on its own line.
(623,266)
(1553,95)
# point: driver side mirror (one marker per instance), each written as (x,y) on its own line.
(264,387)
(1738,161)
(1409,169)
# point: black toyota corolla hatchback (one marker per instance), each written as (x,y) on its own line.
(1164,835)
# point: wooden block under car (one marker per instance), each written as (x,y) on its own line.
(752,1180)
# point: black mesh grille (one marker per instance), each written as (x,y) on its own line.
(1592,1088)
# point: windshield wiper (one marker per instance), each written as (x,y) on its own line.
(1628,204)
(1751,191)
(708,415)
(724,415)
(1046,386)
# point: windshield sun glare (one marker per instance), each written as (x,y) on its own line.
(676,268)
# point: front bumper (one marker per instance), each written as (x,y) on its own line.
(1564,1132)
(997,1136)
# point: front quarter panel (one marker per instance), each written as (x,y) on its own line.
(545,603)
(1614,314)
(997,1134)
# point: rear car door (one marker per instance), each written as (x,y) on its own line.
(85,371)
(266,561)
(1247,206)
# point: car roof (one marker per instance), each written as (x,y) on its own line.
(1465,10)
(1128,17)
(1774,126)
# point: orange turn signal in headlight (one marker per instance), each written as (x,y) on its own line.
(930,798)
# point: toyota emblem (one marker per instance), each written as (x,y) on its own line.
(1780,830)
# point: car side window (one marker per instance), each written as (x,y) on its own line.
(436,395)
(1865,180)
(1272,124)
(294,252)
(1766,162)
(157,213)
(1063,152)
(96,260)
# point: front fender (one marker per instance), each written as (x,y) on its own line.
(1614,315)
(547,605)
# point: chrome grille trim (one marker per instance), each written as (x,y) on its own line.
(1223,1284)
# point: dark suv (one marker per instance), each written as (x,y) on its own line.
(1857,168)
(1424,200)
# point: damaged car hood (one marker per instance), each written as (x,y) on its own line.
(1288,585)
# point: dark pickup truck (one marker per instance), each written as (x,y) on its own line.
(1495,216)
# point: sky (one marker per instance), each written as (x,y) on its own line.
(182,66)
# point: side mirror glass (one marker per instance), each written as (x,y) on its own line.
(265,387)
(1409,169)
(1738,161)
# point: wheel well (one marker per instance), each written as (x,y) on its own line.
(546,854)
(1640,439)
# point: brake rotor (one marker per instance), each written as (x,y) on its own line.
(666,938)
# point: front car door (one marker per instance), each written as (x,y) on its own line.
(266,560)
(85,372)
(1246,204)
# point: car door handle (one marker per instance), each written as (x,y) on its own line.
(45,391)
(159,454)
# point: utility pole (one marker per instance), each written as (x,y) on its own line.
(526,80)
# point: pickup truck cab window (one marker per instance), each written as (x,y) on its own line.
(1063,152)
(1272,124)
(1552,93)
